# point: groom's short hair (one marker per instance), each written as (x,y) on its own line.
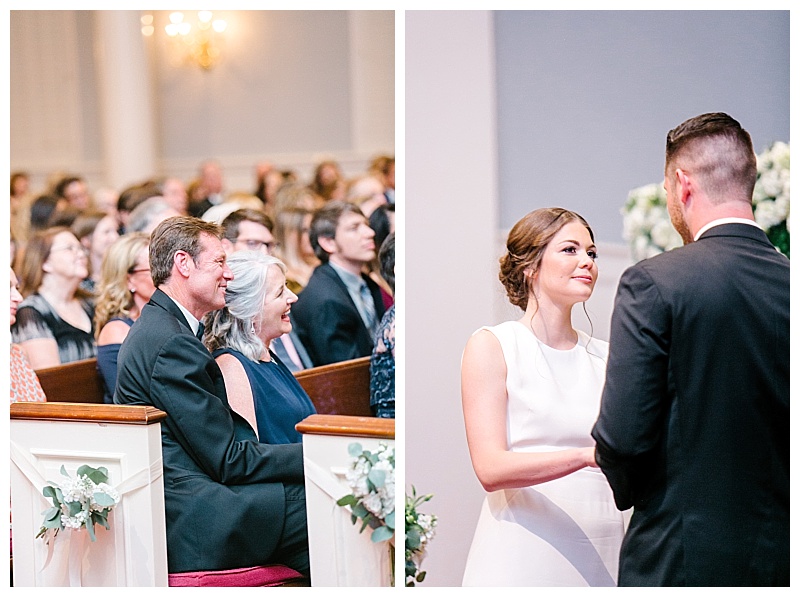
(718,152)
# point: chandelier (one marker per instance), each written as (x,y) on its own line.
(191,41)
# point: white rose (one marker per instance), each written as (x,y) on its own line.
(664,235)
(771,183)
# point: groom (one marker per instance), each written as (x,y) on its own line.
(693,429)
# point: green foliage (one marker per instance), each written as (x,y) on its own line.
(419,531)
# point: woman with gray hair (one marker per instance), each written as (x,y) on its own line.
(259,386)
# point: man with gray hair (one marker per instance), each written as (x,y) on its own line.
(231,502)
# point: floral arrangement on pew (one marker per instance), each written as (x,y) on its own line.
(646,223)
(78,502)
(371,479)
(420,529)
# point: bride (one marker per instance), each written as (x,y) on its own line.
(531,392)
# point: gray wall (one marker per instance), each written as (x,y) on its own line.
(585,98)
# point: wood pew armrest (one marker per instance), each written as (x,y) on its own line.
(93,413)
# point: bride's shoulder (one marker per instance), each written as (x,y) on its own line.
(594,345)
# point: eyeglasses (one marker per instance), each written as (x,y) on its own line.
(258,245)
(74,249)
(141,269)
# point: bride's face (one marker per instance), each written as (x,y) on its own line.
(568,271)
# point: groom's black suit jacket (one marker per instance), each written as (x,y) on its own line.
(223,490)
(693,429)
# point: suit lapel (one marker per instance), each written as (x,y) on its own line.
(160,299)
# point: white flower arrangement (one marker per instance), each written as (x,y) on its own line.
(646,223)
(371,479)
(771,195)
(648,230)
(78,502)
(420,529)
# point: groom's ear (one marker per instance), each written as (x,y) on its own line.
(684,185)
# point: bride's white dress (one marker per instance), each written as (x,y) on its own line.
(566,532)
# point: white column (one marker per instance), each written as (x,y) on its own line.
(124,91)
(450,268)
(372,75)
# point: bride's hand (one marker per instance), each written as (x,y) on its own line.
(590,460)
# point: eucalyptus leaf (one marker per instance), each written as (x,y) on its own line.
(354,449)
(383,533)
(377,477)
(90,529)
(103,499)
(389,520)
(49,491)
(360,511)
(347,500)
(412,539)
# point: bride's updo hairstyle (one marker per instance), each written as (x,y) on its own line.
(525,246)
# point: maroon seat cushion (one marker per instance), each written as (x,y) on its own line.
(255,576)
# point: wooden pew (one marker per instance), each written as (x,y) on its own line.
(78,381)
(335,389)
(339,388)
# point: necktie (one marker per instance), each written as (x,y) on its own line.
(200,329)
(369,307)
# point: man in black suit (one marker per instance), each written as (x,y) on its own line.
(693,429)
(340,308)
(231,502)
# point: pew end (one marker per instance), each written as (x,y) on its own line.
(340,555)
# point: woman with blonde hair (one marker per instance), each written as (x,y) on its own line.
(97,231)
(124,289)
(292,226)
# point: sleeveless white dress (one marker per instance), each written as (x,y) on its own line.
(565,532)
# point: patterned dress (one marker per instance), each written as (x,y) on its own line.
(25,386)
(381,369)
(36,319)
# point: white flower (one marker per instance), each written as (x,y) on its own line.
(771,183)
(378,500)
(664,235)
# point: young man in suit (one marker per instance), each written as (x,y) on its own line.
(231,502)
(340,308)
(693,429)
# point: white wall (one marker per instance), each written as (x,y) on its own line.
(292,87)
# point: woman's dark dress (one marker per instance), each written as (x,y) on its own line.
(280,401)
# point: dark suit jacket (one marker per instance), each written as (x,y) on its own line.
(693,429)
(327,319)
(223,489)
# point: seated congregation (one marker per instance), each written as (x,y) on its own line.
(188,318)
